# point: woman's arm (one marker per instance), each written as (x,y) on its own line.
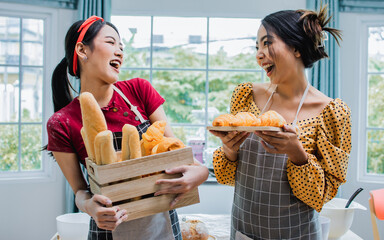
(97,206)
(193,175)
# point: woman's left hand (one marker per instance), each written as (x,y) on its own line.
(193,176)
(284,142)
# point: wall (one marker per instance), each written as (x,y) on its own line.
(350,60)
(28,208)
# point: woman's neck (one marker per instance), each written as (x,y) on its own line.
(293,88)
(102,91)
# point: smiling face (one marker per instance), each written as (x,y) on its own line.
(279,60)
(104,57)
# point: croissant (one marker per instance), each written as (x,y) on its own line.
(168,144)
(223,120)
(153,136)
(272,118)
(244,119)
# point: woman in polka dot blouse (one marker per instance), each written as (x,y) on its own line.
(282,179)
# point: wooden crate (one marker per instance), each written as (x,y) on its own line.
(119,182)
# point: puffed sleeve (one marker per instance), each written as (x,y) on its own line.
(317,182)
(224,168)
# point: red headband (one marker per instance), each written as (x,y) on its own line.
(83,30)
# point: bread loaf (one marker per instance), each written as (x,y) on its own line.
(223,120)
(272,118)
(152,137)
(130,145)
(93,121)
(194,230)
(167,144)
(244,119)
(105,152)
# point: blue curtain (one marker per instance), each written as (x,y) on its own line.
(325,74)
(101,8)
(86,8)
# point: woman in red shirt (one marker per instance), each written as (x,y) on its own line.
(94,55)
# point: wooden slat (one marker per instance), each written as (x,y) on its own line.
(153,205)
(131,189)
(140,166)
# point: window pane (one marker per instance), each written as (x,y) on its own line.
(31,95)
(126,74)
(376,49)
(33,35)
(9,139)
(194,137)
(232,43)
(221,86)
(179,42)
(9,97)
(31,144)
(184,92)
(136,36)
(376,100)
(9,52)
(375,151)
(9,28)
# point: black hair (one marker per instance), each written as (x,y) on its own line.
(302,30)
(61,85)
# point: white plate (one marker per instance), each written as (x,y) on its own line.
(245,128)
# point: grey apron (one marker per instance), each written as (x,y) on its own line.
(163,225)
(264,206)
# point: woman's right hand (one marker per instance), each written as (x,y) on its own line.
(231,142)
(106,217)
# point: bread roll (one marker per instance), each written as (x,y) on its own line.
(105,152)
(223,120)
(130,144)
(93,121)
(244,119)
(152,137)
(167,144)
(273,119)
(194,230)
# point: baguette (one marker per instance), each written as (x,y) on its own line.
(105,152)
(93,121)
(130,145)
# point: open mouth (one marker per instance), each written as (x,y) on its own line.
(115,64)
(268,68)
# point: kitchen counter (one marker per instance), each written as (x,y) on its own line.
(219,226)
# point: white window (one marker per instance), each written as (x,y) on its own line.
(375,100)
(23,40)
(371,121)
(194,63)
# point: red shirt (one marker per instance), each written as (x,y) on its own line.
(64,126)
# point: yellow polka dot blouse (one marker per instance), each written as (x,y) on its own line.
(326,138)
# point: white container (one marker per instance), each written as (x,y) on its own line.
(324,223)
(73,226)
(341,217)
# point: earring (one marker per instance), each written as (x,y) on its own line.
(85,58)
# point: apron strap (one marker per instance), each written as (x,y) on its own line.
(133,108)
(274,86)
(300,104)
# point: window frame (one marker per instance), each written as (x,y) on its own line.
(363,25)
(207,70)
(50,18)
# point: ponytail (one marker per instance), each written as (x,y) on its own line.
(60,86)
